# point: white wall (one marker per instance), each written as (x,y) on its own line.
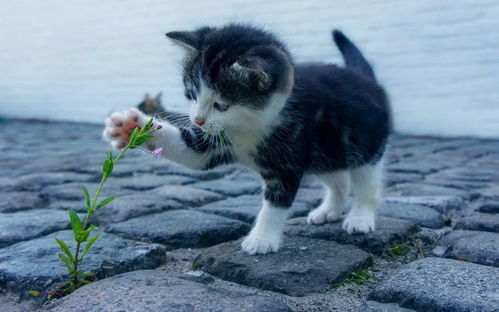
(80,60)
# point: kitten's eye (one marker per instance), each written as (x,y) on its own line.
(220,107)
(191,95)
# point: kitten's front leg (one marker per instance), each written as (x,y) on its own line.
(266,235)
(182,145)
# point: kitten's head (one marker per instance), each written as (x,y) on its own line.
(236,77)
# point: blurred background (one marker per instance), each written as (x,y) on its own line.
(81,60)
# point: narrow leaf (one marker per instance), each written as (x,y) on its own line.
(66,261)
(89,244)
(87,196)
(147,126)
(64,248)
(104,202)
(75,224)
(107,168)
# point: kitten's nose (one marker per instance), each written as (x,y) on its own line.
(199,121)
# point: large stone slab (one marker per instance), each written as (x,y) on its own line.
(373,306)
(24,225)
(417,189)
(245,208)
(146,182)
(489,208)
(73,191)
(134,205)
(312,196)
(438,284)
(232,187)
(35,265)
(300,267)
(388,231)
(37,181)
(485,222)
(419,214)
(442,204)
(185,194)
(181,229)
(153,290)
(472,246)
(170,168)
(17,201)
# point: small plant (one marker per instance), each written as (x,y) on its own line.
(360,277)
(82,230)
(398,250)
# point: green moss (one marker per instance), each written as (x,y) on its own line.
(398,250)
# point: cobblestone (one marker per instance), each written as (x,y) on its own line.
(441,200)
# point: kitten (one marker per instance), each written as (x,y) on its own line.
(251,104)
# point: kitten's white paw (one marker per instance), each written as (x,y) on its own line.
(321,215)
(359,222)
(254,245)
(119,126)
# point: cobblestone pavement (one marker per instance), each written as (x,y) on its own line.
(171,240)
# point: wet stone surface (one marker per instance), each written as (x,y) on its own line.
(471,246)
(300,267)
(34,264)
(182,228)
(436,284)
(388,232)
(441,201)
(159,291)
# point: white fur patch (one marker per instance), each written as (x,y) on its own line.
(266,235)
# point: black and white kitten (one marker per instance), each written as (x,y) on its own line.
(251,104)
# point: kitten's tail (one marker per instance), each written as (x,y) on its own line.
(352,55)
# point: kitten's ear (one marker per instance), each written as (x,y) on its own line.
(146,97)
(186,39)
(157,99)
(252,73)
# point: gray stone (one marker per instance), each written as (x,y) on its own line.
(230,188)
(185,194)
(300,267)
(489,223)
(442,204)
(35,265)
(153,290)
(312,196)
(419,214)
(402,177)
(73,191)
(245,208)
(437,284)
(413,189)
(181,229)
(420,166)
(16,201)
(24,225)
(373,306)
(489,208)
(167,167)
(471,246)
(76,205)
(388,232)
(37,181)
(149,181)
(134,205)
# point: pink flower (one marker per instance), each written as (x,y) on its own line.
(157,152)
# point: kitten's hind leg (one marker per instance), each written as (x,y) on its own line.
(337,186)
(366,189)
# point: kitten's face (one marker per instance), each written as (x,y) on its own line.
(236,77)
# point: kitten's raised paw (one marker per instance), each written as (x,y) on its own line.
(253,245)
(359,223)
(119,126)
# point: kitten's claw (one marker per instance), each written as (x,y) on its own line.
(120,125)
(253,245)
(359,222)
